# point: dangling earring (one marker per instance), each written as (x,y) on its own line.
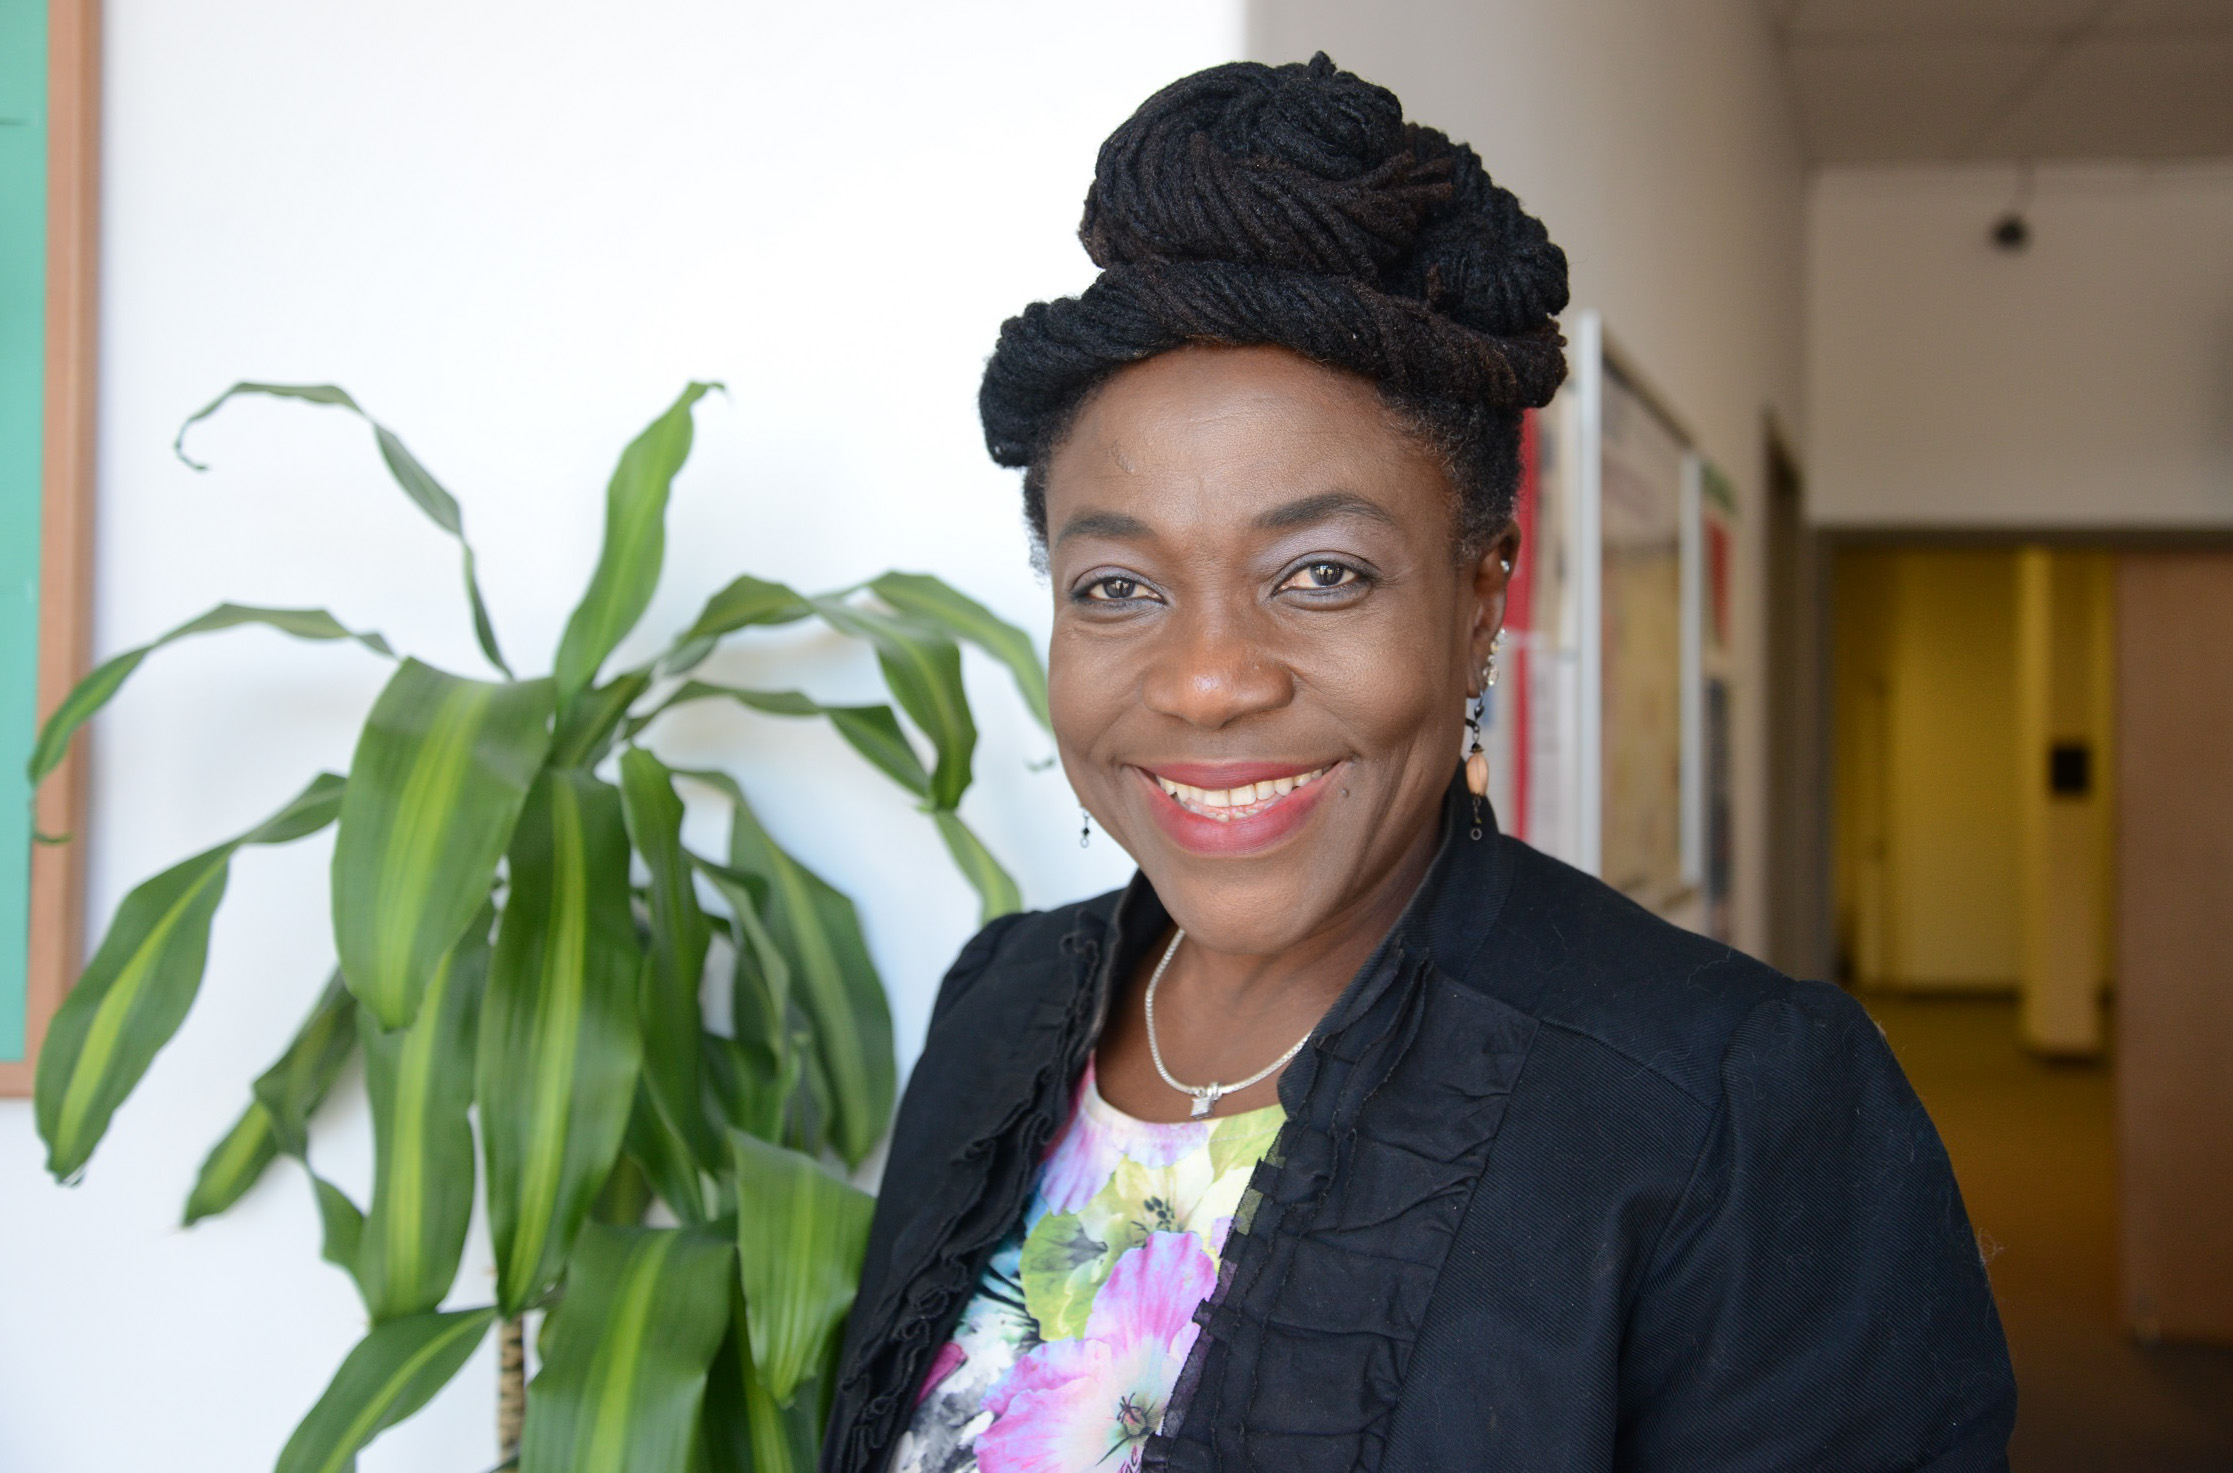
(1085,827)
(1476,760)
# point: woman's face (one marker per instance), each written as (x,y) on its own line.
(1262,640)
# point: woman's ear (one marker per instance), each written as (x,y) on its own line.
(1492,578)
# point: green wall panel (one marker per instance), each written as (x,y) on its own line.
(23,215)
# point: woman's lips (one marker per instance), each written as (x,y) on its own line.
(1232,807)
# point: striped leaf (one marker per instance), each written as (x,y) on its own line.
(97,689)
(142,980)
(440,772)
(749,1086)
(800,1236)
(760,998)
(340,1225)
(591,720)
(923,668)
(620,1391)
(233,1165)
(672,1017)
(667,1164)
(393,1372)
(929,600)
(747,602)
(293,1087)
(635,545)
(996,892)
(284,1098)
(872,731)
(427,493)
(742,1429)
(832,978)
(420,1080)
(559,1042)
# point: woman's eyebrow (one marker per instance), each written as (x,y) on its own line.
(1113,524)
(1323,507)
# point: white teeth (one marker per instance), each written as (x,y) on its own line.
(1221,803)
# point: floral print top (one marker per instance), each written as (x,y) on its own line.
(1065,1359)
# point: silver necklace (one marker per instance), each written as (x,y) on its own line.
(1205,1096)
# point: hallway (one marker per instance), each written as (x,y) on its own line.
(2033,1147)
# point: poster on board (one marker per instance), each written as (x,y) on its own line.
(1641,665)
(1609,732)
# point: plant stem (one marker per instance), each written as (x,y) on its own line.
(511,1387)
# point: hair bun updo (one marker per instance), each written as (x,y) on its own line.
(1294,206)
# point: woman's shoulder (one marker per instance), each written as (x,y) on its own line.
(1024,955)
(1577,955)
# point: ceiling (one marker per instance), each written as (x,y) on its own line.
(1954,80)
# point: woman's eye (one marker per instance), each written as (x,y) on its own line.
(1112,590)
(1315,577)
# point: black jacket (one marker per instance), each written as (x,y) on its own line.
(1562,1187)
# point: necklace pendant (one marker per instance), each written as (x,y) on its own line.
(1204,1102)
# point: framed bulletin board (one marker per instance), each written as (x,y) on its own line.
(1608,740)
(49,136)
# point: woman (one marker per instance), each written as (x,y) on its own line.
(1353,1134)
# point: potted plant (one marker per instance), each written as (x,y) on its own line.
(523,944)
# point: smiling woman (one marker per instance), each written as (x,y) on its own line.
(1353,1134)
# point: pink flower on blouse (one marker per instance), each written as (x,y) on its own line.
(1070,1406)
(1087,1153)
(948,1360)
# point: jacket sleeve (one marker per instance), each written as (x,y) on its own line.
(898,1188)
(1817,1300)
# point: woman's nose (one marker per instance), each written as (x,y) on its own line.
(1211,673)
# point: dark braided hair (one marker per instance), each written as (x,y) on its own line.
(1294,206)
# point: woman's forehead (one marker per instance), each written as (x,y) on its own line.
(1238,434)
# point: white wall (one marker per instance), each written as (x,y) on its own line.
(2084,382)
(1657,142)
(514,230)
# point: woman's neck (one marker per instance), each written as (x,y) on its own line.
(1222,1015)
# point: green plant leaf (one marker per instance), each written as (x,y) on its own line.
(668,1165)
(724,1429)
(761,987)
(393,1372)
(280,1107)
(98,688)
(872,731)
(439,505)
(832,978)
(233,1165)
(440,772)
(801,1234)
(591,720)
(746,602)
(673,1017)
(559,1040)
(996,892)
(341,1225)
(420,1082)
(644,1312)
(929,600)
(635,545)
(749,1085)
(294,1085)
(142,980)
(923,669)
